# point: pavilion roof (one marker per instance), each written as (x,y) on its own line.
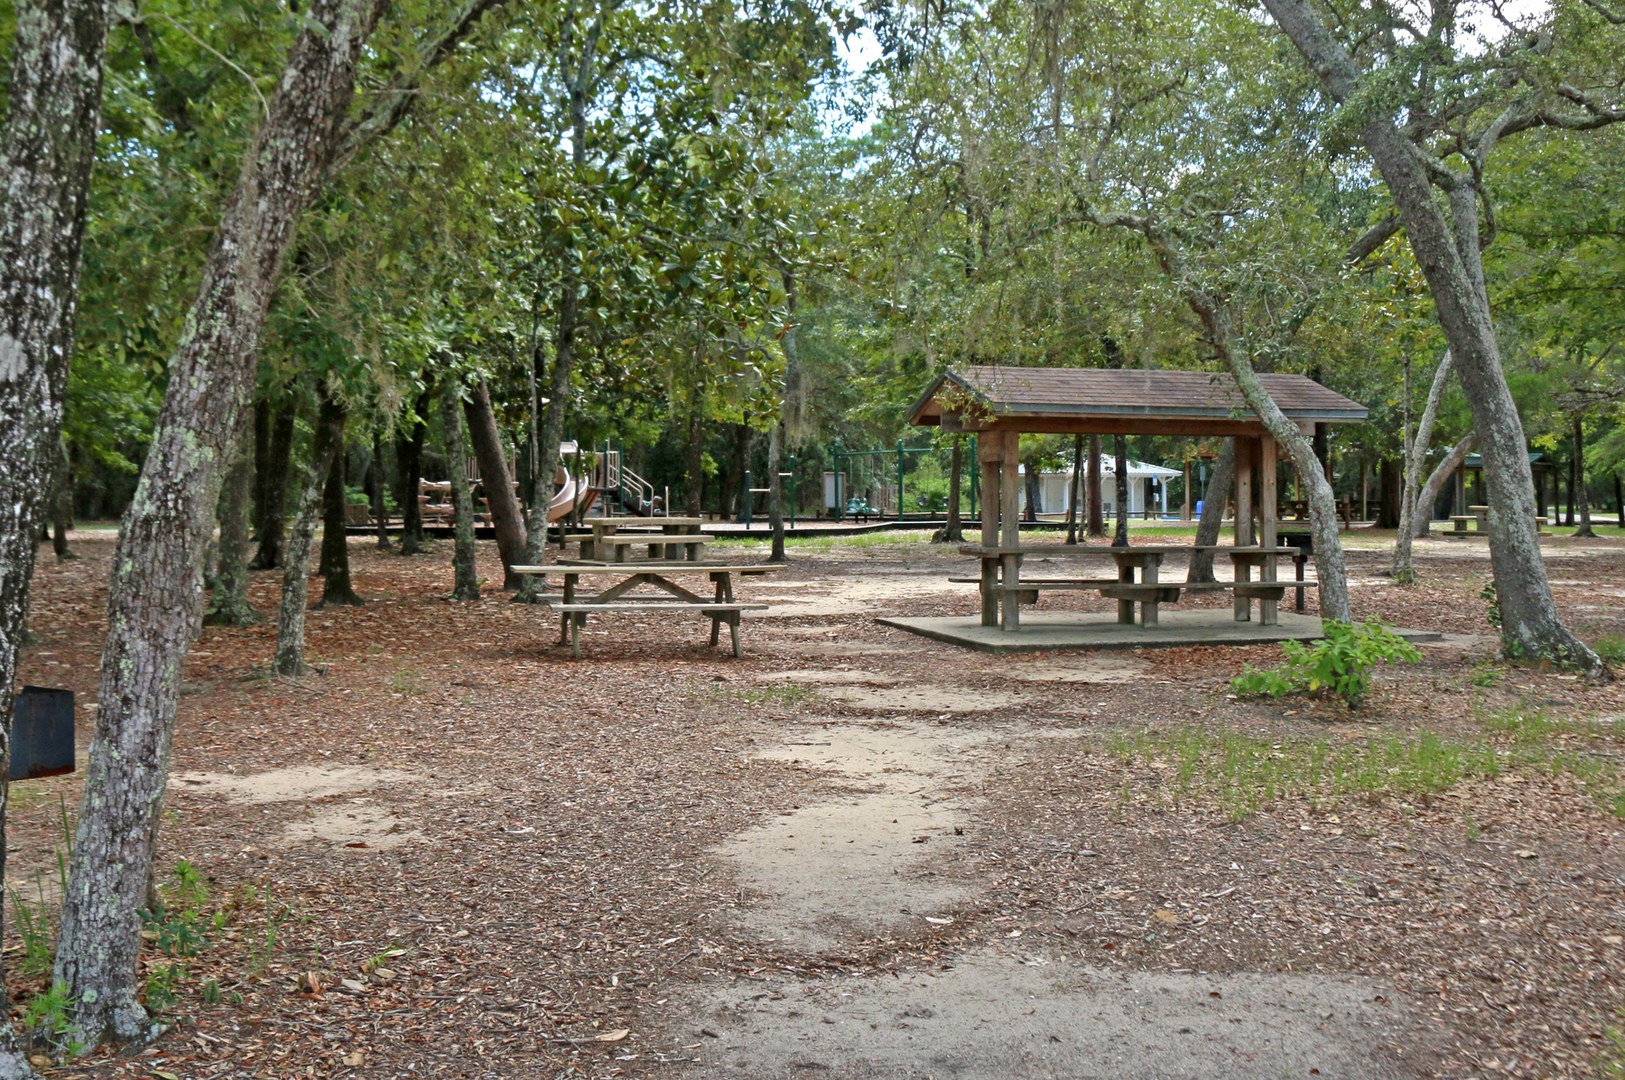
(1039,399)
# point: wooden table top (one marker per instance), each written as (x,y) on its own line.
(576,568)
(646,522)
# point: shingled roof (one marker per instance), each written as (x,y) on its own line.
(1010,394)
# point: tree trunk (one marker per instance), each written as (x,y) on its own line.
(694,460)
(1447,251)
(1578,485)
(62,504)
(1097,519)
(1032,482)
(952,532)
(1211,519)
(1441,473)
(271,507)
(228,604)
(330,560)
(466,578)
(506,518)
(337,589)
(581,77)
(789,425)
(1619,501)
(47,149)
(153,602)
(775,489)
(1414,511)
(289,660)
(743,437)
(378,474)
(1120,537)
(1074,489)
(409,464)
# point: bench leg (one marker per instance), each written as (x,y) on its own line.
(1243,606)
(575,634)
(716,628)
(733,631)
(1298,562)
(990,597)
(1148,614)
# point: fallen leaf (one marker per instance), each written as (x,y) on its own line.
(615,1036)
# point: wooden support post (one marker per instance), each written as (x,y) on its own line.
(989,452)
(1244,516)
(1267,474)
(1010,530)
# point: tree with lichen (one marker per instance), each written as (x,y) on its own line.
(47,147)
(154,601)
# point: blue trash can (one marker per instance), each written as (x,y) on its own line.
(1199,503)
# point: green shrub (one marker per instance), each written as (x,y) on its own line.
(1339,664)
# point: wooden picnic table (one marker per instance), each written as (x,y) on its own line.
(612,539)
(1138,578)
(670,595)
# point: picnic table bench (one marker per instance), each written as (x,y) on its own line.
(573,606)
(1137,581)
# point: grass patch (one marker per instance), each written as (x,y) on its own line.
(771,694)
(1243,774)
(817,542)
(1611,647)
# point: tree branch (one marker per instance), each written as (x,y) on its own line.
(392,104)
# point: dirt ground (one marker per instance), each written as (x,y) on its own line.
(456,852)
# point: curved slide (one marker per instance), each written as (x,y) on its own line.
(574,492)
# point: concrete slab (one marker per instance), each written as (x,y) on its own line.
(1044,631)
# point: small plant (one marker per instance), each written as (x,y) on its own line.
(1339,664)
(48,1018)
(163,987)
(1611,648)
(1493,613)
(35,934)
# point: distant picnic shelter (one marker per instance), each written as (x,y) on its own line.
(999,404)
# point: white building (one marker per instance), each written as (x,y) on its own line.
(1147,486)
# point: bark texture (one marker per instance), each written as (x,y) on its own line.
(1447,249)
(506,518)
(466,581)
(154,600)
(47,148)
(289,660)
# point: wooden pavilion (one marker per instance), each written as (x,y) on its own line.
(999,404)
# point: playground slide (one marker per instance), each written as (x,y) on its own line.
(575,492)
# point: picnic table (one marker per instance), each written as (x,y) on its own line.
(612,539)
(670,594)
(1138,579)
